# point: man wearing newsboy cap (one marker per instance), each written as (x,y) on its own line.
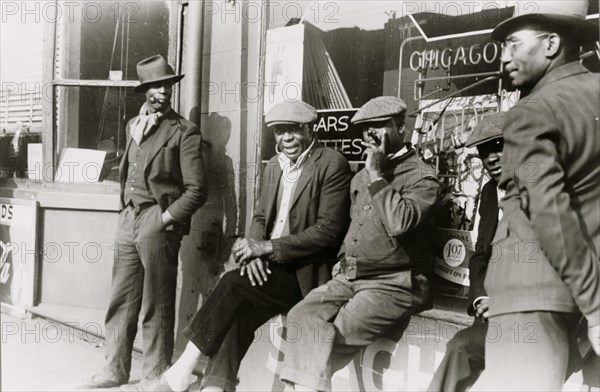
(296,230)
(379,279)
(162,185)
(546,276)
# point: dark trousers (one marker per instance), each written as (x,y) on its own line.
(464,360)
(338,319)
(528,351)
(223,328)
(144,278)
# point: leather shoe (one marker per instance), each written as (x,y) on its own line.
(159,384)
(103,381)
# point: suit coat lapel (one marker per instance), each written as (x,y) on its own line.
(123,167)
(165,131)
(274,176)
(495,210)
(307,172)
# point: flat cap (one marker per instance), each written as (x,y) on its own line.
(291,112)
(379,109)
(488,128)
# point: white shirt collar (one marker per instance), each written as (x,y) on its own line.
(402,151)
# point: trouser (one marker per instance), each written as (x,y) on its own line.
(464,360)
(223,328)
(335,321)
(528,351)
(144,278)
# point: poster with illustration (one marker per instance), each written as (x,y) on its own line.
(18,251)
(283,65)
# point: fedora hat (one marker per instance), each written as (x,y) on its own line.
(569,15)
(154,69)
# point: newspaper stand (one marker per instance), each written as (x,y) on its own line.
(455,81)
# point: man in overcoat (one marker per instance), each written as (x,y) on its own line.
(545,278)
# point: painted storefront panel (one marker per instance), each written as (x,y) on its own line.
(18,251)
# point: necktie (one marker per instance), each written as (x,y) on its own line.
(144,123)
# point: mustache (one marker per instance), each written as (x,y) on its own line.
(163,99)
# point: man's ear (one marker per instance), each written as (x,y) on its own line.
(310,128)
(553,45)
(400,124)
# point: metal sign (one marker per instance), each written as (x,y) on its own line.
(18,250)
(333,129)
(462,65)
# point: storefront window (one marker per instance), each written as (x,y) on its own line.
(94,118)
(21,40)
(110,37)
(337,56)
(334,56)
(96,57)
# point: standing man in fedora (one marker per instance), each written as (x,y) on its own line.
(545,276)
(162,185)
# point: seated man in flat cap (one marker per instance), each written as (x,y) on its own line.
(379,279)
(464,359)
(296,231)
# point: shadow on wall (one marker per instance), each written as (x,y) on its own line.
(207,247)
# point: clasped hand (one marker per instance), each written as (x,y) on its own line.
(257,271)
(247,252)
(246,249)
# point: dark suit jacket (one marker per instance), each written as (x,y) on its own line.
(174,169)
(488,221)
(318,216)
(549,236)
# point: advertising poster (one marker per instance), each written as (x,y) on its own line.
(334,130)
(18,252)
(455,248)
(283,65)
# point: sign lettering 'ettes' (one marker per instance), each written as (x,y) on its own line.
(335,131)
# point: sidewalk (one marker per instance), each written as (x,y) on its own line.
(42,355)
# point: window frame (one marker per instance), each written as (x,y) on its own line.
(51,110)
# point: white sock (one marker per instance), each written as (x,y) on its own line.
(177,382)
